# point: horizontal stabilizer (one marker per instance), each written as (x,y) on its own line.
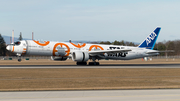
(156,51)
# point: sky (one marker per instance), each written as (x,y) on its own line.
(90,20)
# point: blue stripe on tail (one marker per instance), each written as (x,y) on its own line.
(150,40)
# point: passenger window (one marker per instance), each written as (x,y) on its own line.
(17,43)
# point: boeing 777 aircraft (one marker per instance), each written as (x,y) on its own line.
(81,53)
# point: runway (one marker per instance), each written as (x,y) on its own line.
(94,95)
(100,66)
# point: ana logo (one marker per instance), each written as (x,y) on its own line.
(78,46)
(61,49)
(150,38)
(42,44)
(95,47)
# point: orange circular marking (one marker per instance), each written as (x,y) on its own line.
(13,49)
(96,47)
(61,44)
(78,46)
(42,44)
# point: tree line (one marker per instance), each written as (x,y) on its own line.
(124,43)
(3,50)
(161,46)
(169,45)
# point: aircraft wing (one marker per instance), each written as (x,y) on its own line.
(109,51)
(152,52)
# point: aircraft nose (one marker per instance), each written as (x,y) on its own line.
(8,48)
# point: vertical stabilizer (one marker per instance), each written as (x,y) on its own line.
(150,40)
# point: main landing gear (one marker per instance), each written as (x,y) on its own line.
(93,63)
(85,63)
(90,63)
(81,63)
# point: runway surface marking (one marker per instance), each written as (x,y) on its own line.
(95,95)
(100,66)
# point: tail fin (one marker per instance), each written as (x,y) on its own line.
(150,40)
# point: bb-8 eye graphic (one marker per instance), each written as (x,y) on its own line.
(61,49)
(95,47)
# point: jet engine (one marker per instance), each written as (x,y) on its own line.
(80,56)
(57,58)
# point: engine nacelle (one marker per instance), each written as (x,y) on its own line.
(57,58)
(80,56)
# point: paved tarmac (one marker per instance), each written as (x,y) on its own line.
(94,95)
(100,66)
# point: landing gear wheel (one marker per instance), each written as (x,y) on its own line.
(93,63)
(19,60)
(81,63)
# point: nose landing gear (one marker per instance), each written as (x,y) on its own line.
(19,57)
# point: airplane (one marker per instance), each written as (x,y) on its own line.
(81,53)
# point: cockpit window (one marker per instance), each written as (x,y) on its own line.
(17,43)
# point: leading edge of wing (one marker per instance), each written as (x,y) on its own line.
(108,51)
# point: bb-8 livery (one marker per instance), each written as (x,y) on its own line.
(81,53)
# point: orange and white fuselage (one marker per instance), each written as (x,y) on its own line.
(84,52)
